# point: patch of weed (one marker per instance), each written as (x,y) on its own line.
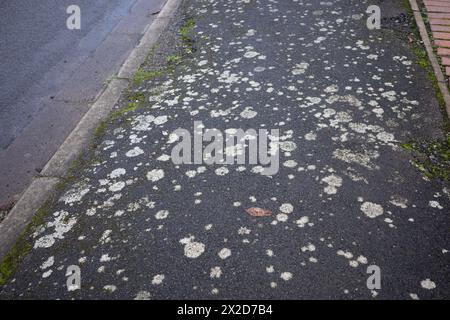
(185,32)
(432,158)
(22,247)
(142,75)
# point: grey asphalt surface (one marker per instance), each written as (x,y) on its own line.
(346,195)
(51,74)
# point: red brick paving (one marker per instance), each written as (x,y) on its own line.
(432,15)
(441,35)
(446,61)
(442,43)
(444,22)
(438,28)
(439,15)
(444,52)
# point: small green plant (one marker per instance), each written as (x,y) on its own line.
(135,100)
(431,158)
(186,29)
(23,246)
(185,32)
(173,60)
(100,130)
(142,75)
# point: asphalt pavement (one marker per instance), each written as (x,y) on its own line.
(346,195)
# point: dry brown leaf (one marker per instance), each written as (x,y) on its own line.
(258,212)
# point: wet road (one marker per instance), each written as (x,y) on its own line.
(50,74)
(345,197)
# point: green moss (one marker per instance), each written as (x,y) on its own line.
(23,245)
(11,261)
(62,185)
(186,29)
(173,60)
(423,60)
(142,75)
(71,175)
(407,7)
(100,131)
(407,146)
(185,32)
(135,99)
(122,112)
(431,158)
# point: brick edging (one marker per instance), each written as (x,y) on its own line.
(442,83)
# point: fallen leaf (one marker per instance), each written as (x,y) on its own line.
(258,212)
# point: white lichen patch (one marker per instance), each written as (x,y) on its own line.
(162,214)
(302,222)
(61,224)
(75,194)
(215,272)
(311,136)
(287,208)
(48,263)
(110,288)
(117,173)
(105,238)
(286,276)
(224,253)
(282,217)
(428,284)
(118,186)
(244,231)
(192,249)
(309,247)
(143,295)
(155,175)
(158,279)
(221,171)
(435,204)
(372,210)
(334,182)
(248,113)
(399,202)
(362,159)
(300,68)
(135,152)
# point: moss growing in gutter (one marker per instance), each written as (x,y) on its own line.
(432,158)
(23,245)
(142,75)
(185,32)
